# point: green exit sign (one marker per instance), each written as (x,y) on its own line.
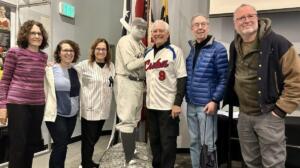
(66,9)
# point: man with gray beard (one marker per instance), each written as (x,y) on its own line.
(264,81)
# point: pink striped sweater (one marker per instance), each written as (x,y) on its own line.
(23,78)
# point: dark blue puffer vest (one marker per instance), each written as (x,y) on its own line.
(206,82)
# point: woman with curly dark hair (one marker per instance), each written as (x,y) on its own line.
(97,75)
(62,100)
(22,96)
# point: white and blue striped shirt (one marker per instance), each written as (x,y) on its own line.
(96,91)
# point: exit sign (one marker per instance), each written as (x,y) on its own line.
(66,9)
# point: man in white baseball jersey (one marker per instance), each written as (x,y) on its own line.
(165,78)
(129,84)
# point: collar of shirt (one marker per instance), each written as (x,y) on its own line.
(156,49)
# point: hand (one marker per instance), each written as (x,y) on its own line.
(3,116)
(275,115)
(176,110)
(50,63)
(210,108)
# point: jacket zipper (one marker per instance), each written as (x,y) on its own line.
(192,68)
(276,83)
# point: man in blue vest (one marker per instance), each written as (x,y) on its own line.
(206,79)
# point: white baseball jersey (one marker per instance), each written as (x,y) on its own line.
(162,71)
(96,91)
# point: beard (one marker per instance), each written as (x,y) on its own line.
(248,31)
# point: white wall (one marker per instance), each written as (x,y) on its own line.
(10,1)
(228,6)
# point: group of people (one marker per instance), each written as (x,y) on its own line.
(261,77)
(85,87)
(31,90)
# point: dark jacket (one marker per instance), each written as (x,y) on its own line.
(278,74)
(207,80)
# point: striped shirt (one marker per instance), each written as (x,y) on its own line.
(96,91)
(23,78)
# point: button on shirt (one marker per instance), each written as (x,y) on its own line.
(246,78)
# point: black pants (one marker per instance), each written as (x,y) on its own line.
(163,132)
(90,133)
(3,144)
(61,131)
(24,130)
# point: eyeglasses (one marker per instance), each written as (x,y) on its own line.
(202,24)
(36,33)
(101,49)
(243,18)
(66,50)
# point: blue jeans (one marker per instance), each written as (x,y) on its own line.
(61,131)
(196,125)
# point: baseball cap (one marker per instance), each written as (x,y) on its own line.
(139,22)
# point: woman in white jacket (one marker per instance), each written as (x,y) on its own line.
(62,89)
(96,75)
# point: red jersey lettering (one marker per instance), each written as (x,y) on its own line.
(155,65)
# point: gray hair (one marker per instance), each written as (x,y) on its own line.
(166,25)
(197,15)
(241,6)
